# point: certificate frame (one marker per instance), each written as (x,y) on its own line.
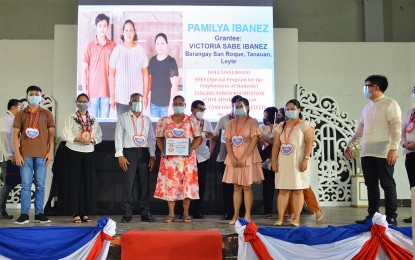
(176,146)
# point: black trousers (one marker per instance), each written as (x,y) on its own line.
(268,187)
(201,176)
(227,193)
(410,168)
(5,189)
(137,173)
(79,193)
(375,170)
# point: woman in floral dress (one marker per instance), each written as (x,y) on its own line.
(177,178)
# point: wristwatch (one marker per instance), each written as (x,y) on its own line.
(307,157)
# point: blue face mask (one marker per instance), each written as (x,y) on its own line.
(291,114)
(178,110)
(137,106)
(366,93)
(240,112)
(34,100)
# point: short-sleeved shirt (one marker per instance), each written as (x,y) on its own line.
(161,71)
(222,125)
(203,151)
(36,147)
(6,126)
(97,57)
(128,64)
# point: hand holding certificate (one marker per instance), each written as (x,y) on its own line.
(177,146)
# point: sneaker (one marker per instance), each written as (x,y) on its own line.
(367,220)
(23,219)
(41,218)
(126,219)
(407,220)
(392,221)
(4,215)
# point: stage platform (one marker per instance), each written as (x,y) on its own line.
(335,216)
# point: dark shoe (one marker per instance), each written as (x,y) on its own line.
(4,215)
(147,218)
(41,218)
(126,219)
(392,221)
(23,219)
(407,220)
(226,217)
(365,220)
(198,216)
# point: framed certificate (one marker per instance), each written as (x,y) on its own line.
(177,146)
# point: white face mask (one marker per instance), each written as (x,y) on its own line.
(199,115)
(413,97)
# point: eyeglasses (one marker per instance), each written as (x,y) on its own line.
(81,102)
(370,85)
(200,109)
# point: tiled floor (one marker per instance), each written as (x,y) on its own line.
(335,216)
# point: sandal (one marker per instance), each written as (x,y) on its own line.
(278,223)
(86,219)
(319,217)
(169,219)
(269,216)
(294,224)
(76,219)
(289,217)
(187,219)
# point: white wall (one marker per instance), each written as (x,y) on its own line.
(286,64)
(24,63)
(334,69)
(339,70)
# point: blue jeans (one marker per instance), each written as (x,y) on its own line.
(158,111)
(33,169)
(100,107)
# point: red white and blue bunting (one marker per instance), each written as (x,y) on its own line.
(57,242)
(374,240)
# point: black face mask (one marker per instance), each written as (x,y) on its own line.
(266,121)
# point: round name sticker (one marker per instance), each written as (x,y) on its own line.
(286,149)
(32,132)
(178,132)
(410,126)
(139,140)
(237,140)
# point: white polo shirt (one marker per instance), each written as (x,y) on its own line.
(6,136)
(202,151)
